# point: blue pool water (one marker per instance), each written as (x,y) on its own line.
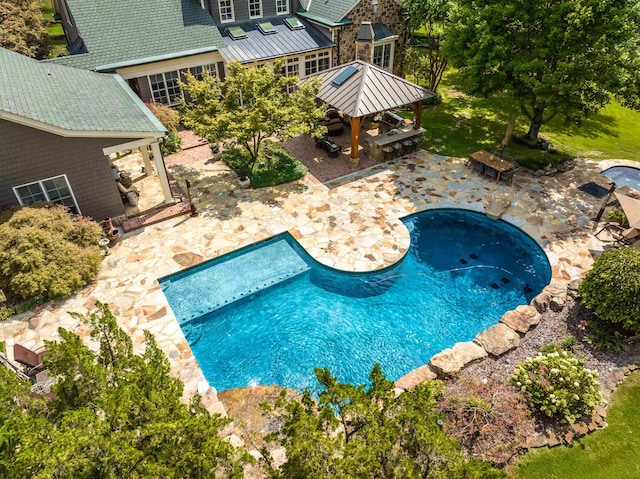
(269,314)
(624,176)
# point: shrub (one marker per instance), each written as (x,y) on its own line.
(46,252)
(558,384)
(170,118)
(491,420)
(618,216)
(612,288)
(274,165)
(605,336)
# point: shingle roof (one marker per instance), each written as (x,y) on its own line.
(119,31)
(332,10)
(257,46)
(70,98)
(369,90)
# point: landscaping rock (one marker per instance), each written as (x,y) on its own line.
(572,288)
(209,401)
(468,352)
(415,377)
(600,411)
(553,439)
(445,363)
(541,302)
(556,304)
(498,339)
(536,440)
(234,440)
(580,428)
(522,318)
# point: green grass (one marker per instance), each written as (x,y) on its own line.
(55,31)
(611,453)
(464,123)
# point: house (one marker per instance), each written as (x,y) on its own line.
(153,43)
(57,127)
(369,30)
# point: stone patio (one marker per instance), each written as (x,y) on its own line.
(350,223)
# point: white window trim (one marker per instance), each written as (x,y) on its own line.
(44,191)
(286,12)
(382,43)
(233,13)
(261,9)
(164,78)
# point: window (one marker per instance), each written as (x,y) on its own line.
(226,10)
(292,69)
(382,56)
(55,190)
(282,7)
(255,8)
(197,72)
(165,88)
(316,63)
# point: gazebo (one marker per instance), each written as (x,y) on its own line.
(359,88)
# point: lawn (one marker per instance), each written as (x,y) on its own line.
(55,31)
(611,453)
(464,123)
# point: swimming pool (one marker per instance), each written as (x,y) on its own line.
(269,314)
(624,176)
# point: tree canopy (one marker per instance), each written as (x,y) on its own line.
(561,57)
(116,415)
(429,17)
(22,28)
(363,432)
(250,105)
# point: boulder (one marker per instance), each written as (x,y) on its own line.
(556,305)
(498,339)
(522,318)
(541,302)
(234,440)
(415,377)
(468,352)
(445,363)
(209,400)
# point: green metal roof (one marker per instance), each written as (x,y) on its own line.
(130,32)
(334,11)
(71,98)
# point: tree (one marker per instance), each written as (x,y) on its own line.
(23,28)
(170,119)
(250,105)
(428,61)
(117,415)
(562,57)
(47,252)
(359,432)
(612,288)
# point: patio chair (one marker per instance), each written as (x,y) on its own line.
(477,166)
(488,171)
(508,175)
(31,360)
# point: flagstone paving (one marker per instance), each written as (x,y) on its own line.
(351,223)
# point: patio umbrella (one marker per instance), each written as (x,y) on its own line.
(631,208)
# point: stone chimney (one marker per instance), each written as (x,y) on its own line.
(364,42)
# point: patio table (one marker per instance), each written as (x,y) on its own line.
(500,165)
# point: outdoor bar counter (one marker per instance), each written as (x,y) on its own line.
(397,140)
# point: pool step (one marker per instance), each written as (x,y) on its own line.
(220,283)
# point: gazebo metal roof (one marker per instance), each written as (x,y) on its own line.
(370,89)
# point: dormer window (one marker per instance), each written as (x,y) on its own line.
(255,8)
(282,7)
(226,10)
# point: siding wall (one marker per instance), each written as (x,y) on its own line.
(241,10)
(28,155)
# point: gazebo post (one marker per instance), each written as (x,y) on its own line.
(355,136)
(417,111)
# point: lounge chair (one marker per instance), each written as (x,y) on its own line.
(621,235)
(32,360)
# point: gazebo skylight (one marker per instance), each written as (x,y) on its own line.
(344,76)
